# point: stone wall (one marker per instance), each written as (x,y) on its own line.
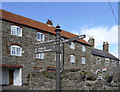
(43,80)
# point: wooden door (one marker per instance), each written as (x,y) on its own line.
(11,76)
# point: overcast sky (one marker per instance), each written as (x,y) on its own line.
(90,18)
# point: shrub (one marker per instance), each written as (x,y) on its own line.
(91,77)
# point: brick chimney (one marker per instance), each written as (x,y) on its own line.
(49,23)
(105,46)
(91,41)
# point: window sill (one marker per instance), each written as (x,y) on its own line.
(16,35)
(16,55)
(39,59)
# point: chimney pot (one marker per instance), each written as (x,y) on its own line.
(91,41)
(49,23)
(106,46)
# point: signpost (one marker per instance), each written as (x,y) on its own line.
(56,48)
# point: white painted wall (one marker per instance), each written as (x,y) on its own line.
(17,76)
(4,77)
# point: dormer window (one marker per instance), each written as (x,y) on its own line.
(72,46)
(16,50)
(40,36)
(16,30)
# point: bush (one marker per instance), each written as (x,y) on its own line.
(91,77)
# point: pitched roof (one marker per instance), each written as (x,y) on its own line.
(32,23)
(105,54)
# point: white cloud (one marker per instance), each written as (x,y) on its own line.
(102,34)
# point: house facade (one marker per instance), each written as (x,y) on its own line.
(102,61)
(20,39)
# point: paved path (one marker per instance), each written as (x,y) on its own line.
(14,88)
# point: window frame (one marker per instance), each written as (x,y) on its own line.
(55,57)
(72,45)
(72,56)
(40,56)
(98,62)
(40,34)
(84,60)
(113,63)
(14,30)
(107,61)
(16,47)
(83,48)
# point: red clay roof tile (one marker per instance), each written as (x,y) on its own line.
(32,23)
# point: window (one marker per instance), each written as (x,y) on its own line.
(97,60)
(83,48)
(55,56)
(16,30)
(113,63)
(16,50)
(40,56)
(40,36)
(72,46)
(72,58)
(83,60)
(107,61)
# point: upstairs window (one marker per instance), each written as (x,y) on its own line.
(72,58)
(97,60)
(107,61)
(40,56)
(113,63)
(16,30)
(83,48)
(72,46)
(16,50)
(40,36)
(83,60)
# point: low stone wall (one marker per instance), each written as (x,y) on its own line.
(44,80)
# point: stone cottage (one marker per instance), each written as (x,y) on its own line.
(20,39)
(102,60)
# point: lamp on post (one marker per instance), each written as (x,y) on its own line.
(58,36)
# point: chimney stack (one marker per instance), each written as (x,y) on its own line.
(49,23)
(105,46)
(91,41)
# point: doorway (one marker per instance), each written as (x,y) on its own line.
(11,76)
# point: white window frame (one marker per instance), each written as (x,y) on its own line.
(113,63)
(107,61)
(72,58)
(40,55)
(40,38)
(98,61)
(16,30)
(83,48)
(17,50)
(55,56)
(83,61)
(72,45)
